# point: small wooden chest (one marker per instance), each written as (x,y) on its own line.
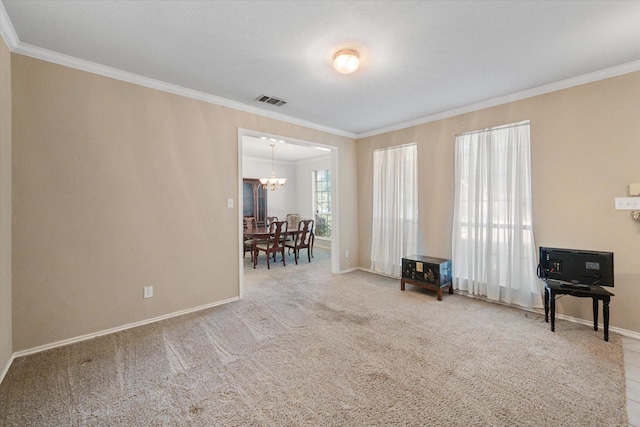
(427,272)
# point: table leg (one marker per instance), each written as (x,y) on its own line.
(546,304)
(402,284)
(255,254)
(605,313)
(552,303)
(595,314)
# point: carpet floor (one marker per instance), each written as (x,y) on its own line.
(308,348)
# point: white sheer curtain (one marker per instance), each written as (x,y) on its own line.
(494,253)
(394,232)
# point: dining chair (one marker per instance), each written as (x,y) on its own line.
(292,224)
(249,225)
(283,237)
(313,239)
(302,239)
(292,221)
(273,244)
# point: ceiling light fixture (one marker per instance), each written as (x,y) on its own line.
(346,61)
(272,183)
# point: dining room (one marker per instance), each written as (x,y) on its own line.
(290,182)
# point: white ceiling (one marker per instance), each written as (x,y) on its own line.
(421,58)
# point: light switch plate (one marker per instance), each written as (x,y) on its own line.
(230,203)
(628,203)
(148,291)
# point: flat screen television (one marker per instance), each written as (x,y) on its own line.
(576,266)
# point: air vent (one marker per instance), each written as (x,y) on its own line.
(271,100)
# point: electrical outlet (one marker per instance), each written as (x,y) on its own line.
(628,203)
(148,291)
(346,254)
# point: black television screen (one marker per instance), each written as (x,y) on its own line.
(577,266)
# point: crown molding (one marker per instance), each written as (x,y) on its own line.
(114,73)
(15,45)
(529,93)
(6,29)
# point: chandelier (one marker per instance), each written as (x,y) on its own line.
(272,183)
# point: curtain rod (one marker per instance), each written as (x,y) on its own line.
(511,125)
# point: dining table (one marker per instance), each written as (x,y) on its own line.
(262,233)
(256,232)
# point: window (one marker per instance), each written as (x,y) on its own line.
(322,201)
(493,246)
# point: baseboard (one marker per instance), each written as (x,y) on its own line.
(321,243)
(623,332)
(6,368)
(540,311)
(368,270)
(348,270)
(117,329)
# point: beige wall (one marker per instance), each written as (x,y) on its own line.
(6,347)
(585,151)
(117,187)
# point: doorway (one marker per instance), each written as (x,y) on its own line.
(248,143)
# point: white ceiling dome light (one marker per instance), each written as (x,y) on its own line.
(346,61)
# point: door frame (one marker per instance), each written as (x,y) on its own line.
(335,226)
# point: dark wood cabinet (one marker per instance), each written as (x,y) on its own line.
(254,201)
(427,272)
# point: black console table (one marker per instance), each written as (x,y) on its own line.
(596,293)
